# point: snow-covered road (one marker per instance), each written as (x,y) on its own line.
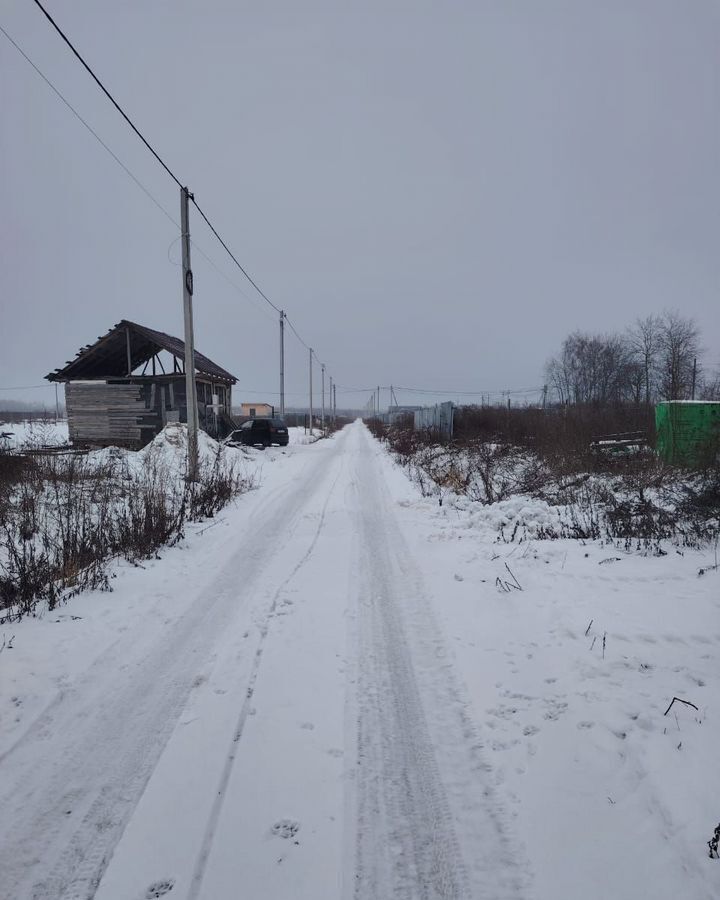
(276,719)
(311,700)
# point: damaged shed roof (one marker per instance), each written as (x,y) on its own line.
(108,356)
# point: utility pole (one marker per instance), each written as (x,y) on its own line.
(378,403)
(322,414)
(282,363)
(330,398)
(311,409)
(334,403)
(190,384)
(694,376)
(57,405)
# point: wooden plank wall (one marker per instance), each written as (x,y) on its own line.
(100,413)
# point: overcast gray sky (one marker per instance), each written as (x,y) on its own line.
(437,193)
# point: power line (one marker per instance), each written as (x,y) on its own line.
(90,129)
(292,328)
(109,95)
(229,280)
(444,392)
(356,390)
(230,253)
(466,393)
(122,165)
(154,152)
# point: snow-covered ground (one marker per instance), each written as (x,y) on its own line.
(336,690)
(33,433)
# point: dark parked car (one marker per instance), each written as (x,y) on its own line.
(262,432)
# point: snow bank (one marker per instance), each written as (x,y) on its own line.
(528,517)
(569,677)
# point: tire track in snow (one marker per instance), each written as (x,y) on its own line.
(78,772)
(204,854)
(428,824)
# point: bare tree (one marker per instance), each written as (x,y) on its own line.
(644,340)
(679,348)
(709,388)
(593,369)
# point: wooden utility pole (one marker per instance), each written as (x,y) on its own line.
(282,362)
(322,414)
(334,403)
(692,397)
(311,407)
(190,383)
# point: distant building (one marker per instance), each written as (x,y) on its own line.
(257,410)
(113,400)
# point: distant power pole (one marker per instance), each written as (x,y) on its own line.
(692,397)
(335,403)
(330,387)
(322,414)
(190,384)
(311,408)
(282,362)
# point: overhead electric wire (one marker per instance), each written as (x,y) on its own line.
(231,254)
(465,392)
(292,328)
(152,150)
(229,280)
(445,392)
(122,165)
(109,95)
(90,129)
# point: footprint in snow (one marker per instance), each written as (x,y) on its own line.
(159,888)
(285,828)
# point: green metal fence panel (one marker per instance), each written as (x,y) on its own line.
(687,430)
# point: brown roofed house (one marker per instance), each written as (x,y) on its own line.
(120,392)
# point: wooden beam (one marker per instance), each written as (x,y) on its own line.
(129,352)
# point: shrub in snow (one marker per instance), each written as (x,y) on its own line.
(63,517)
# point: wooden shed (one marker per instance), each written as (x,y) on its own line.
(119,392)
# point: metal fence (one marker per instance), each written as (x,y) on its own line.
(438,418)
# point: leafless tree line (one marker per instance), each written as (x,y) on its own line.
(657,358)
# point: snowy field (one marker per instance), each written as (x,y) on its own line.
(35,433)
(339,689)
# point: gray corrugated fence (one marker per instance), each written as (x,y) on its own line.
(436,418)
